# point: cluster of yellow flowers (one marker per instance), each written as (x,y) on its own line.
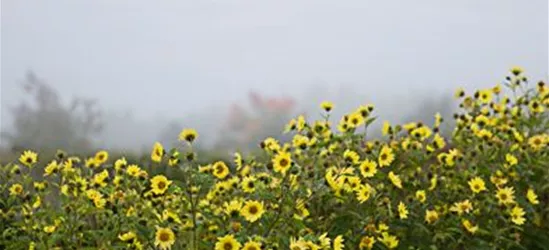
(483,186)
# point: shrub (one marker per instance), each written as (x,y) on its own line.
(483,188)
(47,124)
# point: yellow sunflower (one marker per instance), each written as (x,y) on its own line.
(506,195)
(282,162)
(51,168)
(537,142)
(517,215)
(291,126)
(252,245)
(469,226)
(159,184)
(386,129)
(248,184)
(532,196)
(133,170)
(395,179)
(232,208)
(368,168)
(402,210)
(351,156)
(301,123)
(16,189)
(157,152)
(431,216)
(127,236)
(484,96)
(227,242)
(462,207)
(174,158)
(28,158)
(120,164)
(386,156)
(459,93)
(363,193)
(390,241)
(165,238)
(101,157)
(516,70)
(327,106)
(188,135)
(477,185)
(338,243)
(355,119)
(367,242)
(252,210)
(421,196)
(220,170)
(238,161)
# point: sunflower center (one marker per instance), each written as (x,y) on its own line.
(503,196)
(28,160)
(164,237)
(476,187)
(253,210)
(189,137)
(284,162)
(383,157)
(228,246)
(161,185)
(219,169)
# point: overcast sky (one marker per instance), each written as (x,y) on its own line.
(173,57)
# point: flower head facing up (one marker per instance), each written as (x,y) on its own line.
(477,185)
(164,238)
(227,242)
(252,210)
(282,162)
(159,184)
(506,195)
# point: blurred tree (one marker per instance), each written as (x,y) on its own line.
(244,129)
(46,124)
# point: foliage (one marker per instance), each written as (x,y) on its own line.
(483,188)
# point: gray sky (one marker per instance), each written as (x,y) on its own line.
(171,58)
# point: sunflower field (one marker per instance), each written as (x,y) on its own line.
(485,186)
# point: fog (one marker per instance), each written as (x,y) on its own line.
(152,63)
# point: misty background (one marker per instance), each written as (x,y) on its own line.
(154,68)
